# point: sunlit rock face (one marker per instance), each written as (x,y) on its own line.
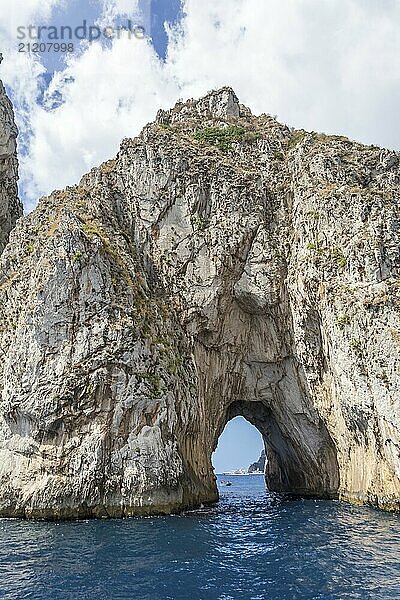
(222,265)
(10,206)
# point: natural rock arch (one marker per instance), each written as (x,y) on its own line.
(249,270)
(275,398)
(301,461)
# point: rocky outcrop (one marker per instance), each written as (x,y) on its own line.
(259,465)
(10,206)
(222,265)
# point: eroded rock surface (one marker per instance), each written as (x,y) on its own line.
(10,206)
(223,264)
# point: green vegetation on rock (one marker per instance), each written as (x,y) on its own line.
(339,257)
(343,320)
(221,138)
(297,137)
(199,223)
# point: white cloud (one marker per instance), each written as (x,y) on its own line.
(329,65)
(108,94)
(17,13)
(113,8)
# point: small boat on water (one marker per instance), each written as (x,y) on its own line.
(226,483)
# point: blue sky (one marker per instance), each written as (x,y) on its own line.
(239,445)
(163,11)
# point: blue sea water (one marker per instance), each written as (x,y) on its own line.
(251,545)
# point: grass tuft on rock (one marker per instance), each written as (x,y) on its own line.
(221,138)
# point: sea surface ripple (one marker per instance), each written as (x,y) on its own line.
(251,545)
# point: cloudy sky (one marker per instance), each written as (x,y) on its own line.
(326,65)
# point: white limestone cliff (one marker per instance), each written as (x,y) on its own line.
(222,264)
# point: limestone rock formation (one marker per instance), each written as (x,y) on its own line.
(10,206)
(258,465)
(222,264)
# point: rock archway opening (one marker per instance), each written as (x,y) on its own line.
(300,455)
(239,446)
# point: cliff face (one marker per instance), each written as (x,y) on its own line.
(10,206)
(259,465)
(223,264)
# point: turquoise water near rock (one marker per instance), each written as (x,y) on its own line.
(251,545)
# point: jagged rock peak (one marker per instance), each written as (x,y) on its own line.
(217,104)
